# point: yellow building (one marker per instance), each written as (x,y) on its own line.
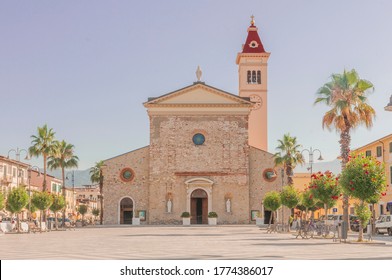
(381,149)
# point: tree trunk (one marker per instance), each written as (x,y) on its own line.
(101,197)
(40,220)
(44,182)
(289,173)
(17,222)
(326,217)
(55,221)
(270,220)
(373,221)
(345,141)
(360,234)
(63,193)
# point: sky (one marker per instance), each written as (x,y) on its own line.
(84,68)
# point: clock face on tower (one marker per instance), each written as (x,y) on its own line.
(258,101)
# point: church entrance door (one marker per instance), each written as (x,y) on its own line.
(199,207)
(126,211)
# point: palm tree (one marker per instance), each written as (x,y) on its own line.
(288,156)
(346,95)
(42,144)
(63,157)
(96,176)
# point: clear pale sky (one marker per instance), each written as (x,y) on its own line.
(86,67)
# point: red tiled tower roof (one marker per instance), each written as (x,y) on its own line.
(253,43)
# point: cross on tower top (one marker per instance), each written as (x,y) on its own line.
(252,22)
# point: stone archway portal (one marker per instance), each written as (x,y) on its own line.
(126,211)
(199,207)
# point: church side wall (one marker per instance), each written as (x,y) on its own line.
(259,186)
(223,159)
(114,188)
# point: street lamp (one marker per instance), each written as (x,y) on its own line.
(29,177)
(311,160)
(17,154)
(73,188)
(389,106)
(17,157)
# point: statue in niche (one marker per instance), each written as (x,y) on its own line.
(228,205)
(169,206)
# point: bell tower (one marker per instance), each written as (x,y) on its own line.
(252,70)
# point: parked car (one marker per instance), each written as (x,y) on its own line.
(354,224)
(337,219)
(384,224)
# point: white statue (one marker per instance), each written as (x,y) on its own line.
(169,206)
(228,205)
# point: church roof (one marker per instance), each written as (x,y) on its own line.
(253,42)
(198,85)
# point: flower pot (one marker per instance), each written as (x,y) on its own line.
(136,221)
(259,221)
(186,221)
(212,221)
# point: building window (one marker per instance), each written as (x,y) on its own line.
(390,147)
(379,151)
(368,153)
(198,139)
(381,209)
(390,174)
(254,77)
(14,172)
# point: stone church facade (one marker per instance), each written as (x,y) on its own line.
(207,153)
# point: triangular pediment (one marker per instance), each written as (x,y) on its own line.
(198,94)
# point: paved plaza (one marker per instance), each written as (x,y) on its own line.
(177,242)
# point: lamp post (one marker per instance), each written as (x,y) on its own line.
(389,105)
(311,159)
(29,177)
(73,188)
(17,158)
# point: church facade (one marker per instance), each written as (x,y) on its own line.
(207,153)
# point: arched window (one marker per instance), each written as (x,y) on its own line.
(254,77)
(249,77)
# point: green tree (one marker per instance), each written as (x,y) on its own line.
(272,202)
(82,210)
(63,157)
(42,145)
(96,176)
(307,200)
(325,188)
(346,95)
(57,205)
(95,212)
(42,200)
(289,197)
(17,199)
(288,156)
(364,179)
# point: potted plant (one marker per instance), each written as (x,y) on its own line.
(186,218)
(212,217)
(259,220)
(136,219)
